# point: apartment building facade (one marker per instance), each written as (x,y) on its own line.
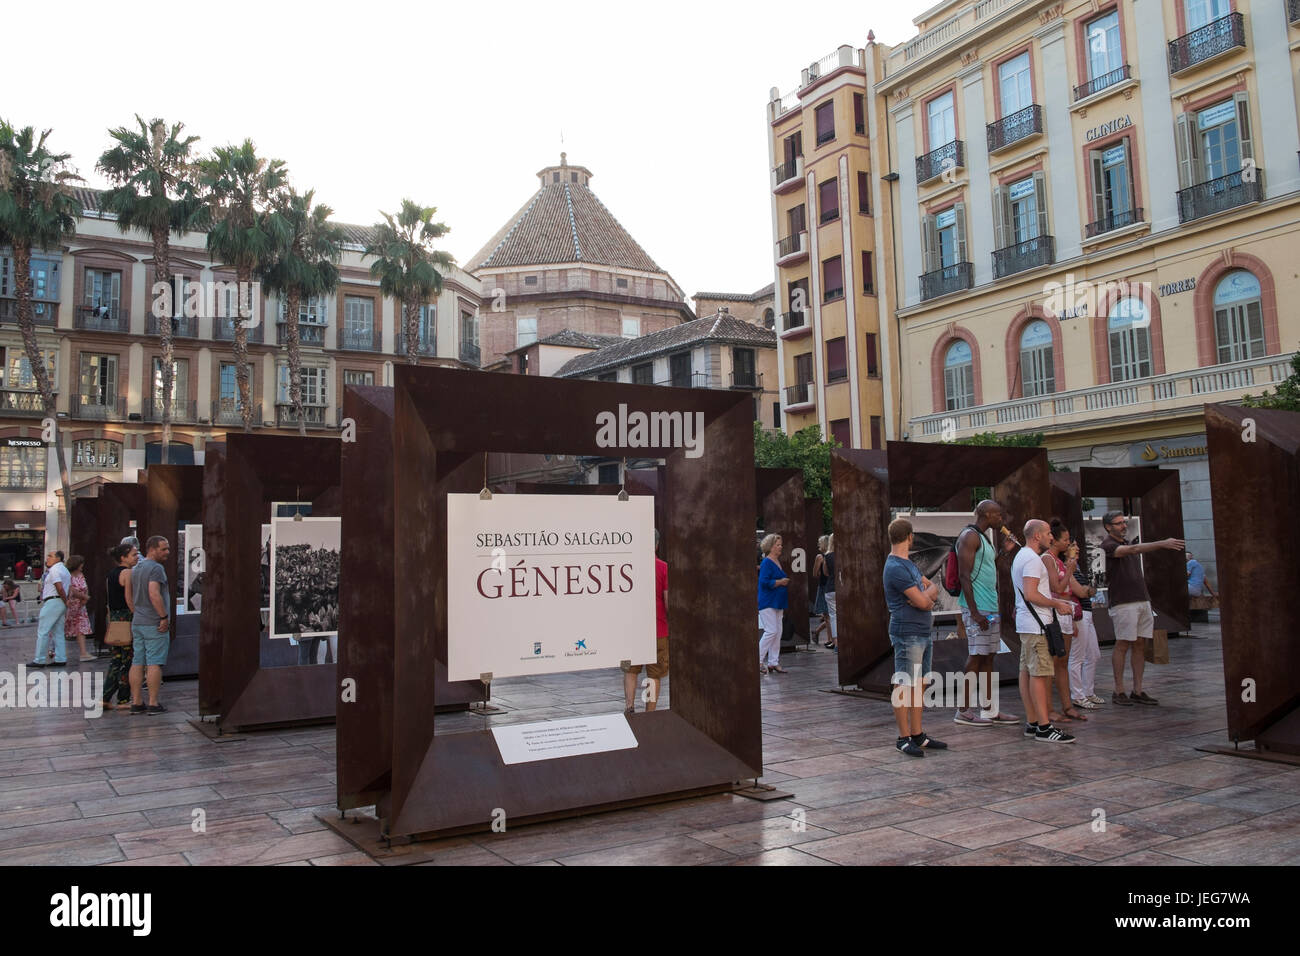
(96,328)
(826,150)
(1099,231)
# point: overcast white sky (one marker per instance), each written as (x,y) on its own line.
(457,105)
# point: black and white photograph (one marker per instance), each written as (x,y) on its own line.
(305,577)
(192,569)
(265,569)
(288,509)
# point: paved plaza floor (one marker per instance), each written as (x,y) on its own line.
(123,789)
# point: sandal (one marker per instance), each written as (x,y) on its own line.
(829,645)
(1074,715)
(1055,718)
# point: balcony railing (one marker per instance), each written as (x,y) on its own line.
(1115,220)
(751,379)
(690,380)
(312,415)
(18,401)
(1099,83)
(1217,37)
(951,278)
(228,413)
(424,345)
(1014,127)
(935,163)
(1185,389)
(470,354)
(309,333)
(1218,195)
(101,318)
(98,408)
(794,320)
(223,330)
(182,410)
(43,311)
(801,393)
(829,215)
(787,175)
(1039,251)
(358,341)
(791,248)
(184,327)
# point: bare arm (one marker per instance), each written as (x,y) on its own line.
(1054,582)
(968,547)
(126,588)
(1146,547)
(155,598)
(923,600)
(1029,585)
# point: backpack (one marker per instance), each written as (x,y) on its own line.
(951,569)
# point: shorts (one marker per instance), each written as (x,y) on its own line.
(1132,620)
(149,645)
(981,642)
(1034,656)
(912,656)
(659,669)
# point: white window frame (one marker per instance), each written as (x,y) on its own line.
(314,379)
(941,122)
(525,330)
(1105,45)
(1014,77)
(1239,322)
(958,378)
(1037,371)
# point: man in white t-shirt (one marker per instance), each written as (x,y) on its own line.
(1029,578)
(54,608)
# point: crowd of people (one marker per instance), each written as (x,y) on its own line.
(1053,598)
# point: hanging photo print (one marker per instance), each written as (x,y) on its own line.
(305,577)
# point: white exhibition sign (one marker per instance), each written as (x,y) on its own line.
(539,584)
(548,739)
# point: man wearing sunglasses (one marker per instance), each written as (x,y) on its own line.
(1130,605)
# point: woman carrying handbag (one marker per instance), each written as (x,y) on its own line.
(118,635)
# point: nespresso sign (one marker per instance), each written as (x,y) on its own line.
(1105,129)
(22,443)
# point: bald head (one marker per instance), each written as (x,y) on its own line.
(1035,526)
(1037,534)
(988,514)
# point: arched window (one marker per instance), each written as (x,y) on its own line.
(1238,317)
(1037,373)
(958,377)
(1129,328)
(769,318)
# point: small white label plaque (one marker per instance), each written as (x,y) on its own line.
(548,739)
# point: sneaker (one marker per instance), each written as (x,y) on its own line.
(156,709)
(927,742)
(905,746)
(1121,699)
(971,719)
(1030,730)
(1054,735)
(57,664)
(37,664)
(1144,698)
(1000,718)
(1095,699)
(138,708)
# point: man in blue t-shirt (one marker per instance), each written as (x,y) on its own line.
(1197,585)
(909,597)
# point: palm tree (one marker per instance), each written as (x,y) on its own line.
(406,264)
(243,190)
(38,210)
(155,190)
(305,264)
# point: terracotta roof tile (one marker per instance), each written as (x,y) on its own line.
(718,328)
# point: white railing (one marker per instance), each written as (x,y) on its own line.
(784,103)
(831,62)
(930,39)
(1257,373)
(986,8)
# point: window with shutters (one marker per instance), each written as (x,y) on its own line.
(797,220)
(1220,140)
(312,381)
(825,118)
(1111,172)
(1105,51)
(18,371)
(1014,86)
(104,292)
(873,355)
(958,377)
(180,384)
(832,279)
(1238,318)
(946,232)
(803,368)
(864,192)
(837,361)
(355,376)
(631,327)
(943,250)
(868,276)
(828,200)
(840,432)
(98,380)
(22,468)
(358,322)
(1129,337)
(859,113)
(679,369)
(743,371)
(941,120)
(1037,371)
(1216,159)
(792,146)
(1023,199)
(311,309)
(228,388)
(797,297)
(1020,226)
(877,429)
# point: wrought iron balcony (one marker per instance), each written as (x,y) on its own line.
(939,161)
(834,293)
(228,413)
(951,278)
(470,353)
(312,415)
(182,410)
(309,333)
(424,345)
(791,248)
(829,215)
(787,175)
(1014,127)
(1039,251)
(184,327)
(44,312)
(98,408)
(801,393)
(19,401)
(750,379)
(101,318)
(1215,38)
(223,329)
(360,340)
(689,380)
(1115,220)
(1099,83)
(1218,195)
(794,320)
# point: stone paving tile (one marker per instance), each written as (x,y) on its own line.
(883,846)
(217,809)
(1249,799)
(975,828)
(1181,818)
(1238,845)
(755,836)
(256,830)
(165,859)
(783,856)
(1146,858)
(1132,791)
(1011,854)
(87,851)
(1083,841)
(295,847)
(351,858)
(72,829)
(669,851)
(1060,808)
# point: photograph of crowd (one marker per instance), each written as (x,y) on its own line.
(192,569)
(305,577)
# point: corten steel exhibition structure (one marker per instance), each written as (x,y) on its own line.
(709,739)
(1255,481)
(906,475)
(240,481)
(781,509)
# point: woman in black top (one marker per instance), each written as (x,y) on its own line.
(118,588)
(819,605)
(829,591)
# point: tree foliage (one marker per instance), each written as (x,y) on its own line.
(407,264)
(1287,395)
(804,450)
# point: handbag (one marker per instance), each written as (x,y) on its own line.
(1052,629)
(118,634)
